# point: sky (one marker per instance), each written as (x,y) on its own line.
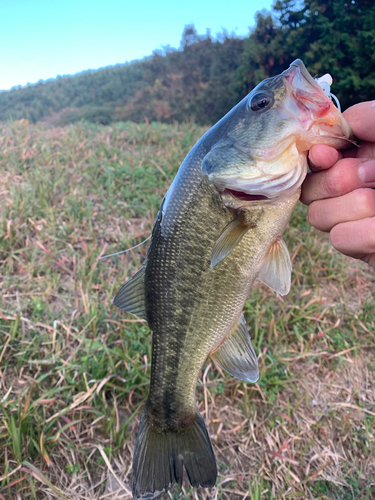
(41,39)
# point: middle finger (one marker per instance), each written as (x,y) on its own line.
(357,205)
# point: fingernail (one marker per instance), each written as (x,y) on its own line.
(311,163)
(366,172)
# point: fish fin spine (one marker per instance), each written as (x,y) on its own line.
(131,297)
(161,455)
(277,268)
(236,354)
(228,239)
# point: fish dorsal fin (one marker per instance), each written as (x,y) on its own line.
(131,297)
(228,239)
(277,268)
(236,355)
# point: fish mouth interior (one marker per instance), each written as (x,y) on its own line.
(240,195)
(299,78)
(308,96)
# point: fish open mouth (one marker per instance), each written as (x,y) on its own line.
(312,106)
(240,195)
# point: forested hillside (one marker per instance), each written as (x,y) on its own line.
(206,76)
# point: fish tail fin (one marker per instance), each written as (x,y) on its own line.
(160,455)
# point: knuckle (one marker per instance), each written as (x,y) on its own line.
(312,213)
(371,234)
(316,215)
(335,237)
(336,182)
(342,178)
(365,202)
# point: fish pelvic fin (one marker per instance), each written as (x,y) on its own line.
(236,355)
(229,238)
(131,297)
(160,456)
(277,268)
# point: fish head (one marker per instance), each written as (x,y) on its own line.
(262,155)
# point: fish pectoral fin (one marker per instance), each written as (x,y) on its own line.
(228,239)
(131,297)
(277,268)
(236,355)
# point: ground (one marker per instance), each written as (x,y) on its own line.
(74,370)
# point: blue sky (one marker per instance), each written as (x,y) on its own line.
(41,39)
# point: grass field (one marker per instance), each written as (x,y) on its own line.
(74,369)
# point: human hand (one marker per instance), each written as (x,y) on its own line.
(340,191)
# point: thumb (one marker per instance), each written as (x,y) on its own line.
(322,157)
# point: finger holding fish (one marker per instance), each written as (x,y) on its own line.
(322,157)
(353,206)
(344,176)
(361,244)
(340,192)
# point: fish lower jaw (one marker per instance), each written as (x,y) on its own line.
(263,190)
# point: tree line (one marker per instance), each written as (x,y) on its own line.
(208,75)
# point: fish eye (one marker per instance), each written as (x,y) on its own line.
(260,101)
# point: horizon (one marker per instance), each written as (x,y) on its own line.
(88,35)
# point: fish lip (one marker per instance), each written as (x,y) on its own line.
(242,195)
(232,201)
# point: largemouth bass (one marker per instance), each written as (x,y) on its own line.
(218,229)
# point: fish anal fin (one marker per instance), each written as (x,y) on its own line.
(236,354)
(131,297)
(229,238)
(277,268)
(160,456)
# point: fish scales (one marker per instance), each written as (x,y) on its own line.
(218,229)
(191,314)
